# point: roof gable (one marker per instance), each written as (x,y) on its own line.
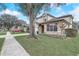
(44,14)
(65,18)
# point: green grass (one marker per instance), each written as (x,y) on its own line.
(17,32)
(1,43)
(48,46)
(2,33)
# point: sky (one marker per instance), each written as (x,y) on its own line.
(13,10)
(69,8)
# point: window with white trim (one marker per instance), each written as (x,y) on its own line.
(52,27)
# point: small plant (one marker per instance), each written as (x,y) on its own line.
(71,32)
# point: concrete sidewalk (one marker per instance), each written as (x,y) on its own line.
(20,34)
(2,36)
(12,48)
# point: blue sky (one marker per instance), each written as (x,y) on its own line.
(70,8)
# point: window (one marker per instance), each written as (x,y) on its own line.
(51,27)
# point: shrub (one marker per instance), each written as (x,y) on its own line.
(71,32)
(22,30)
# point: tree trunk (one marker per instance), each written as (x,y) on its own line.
(31,28)
(32,24)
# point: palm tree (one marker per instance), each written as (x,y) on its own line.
(31,10)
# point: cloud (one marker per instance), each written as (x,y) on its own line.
(7,11)
(75,13)
(14,13)
(59,12)
(62,10)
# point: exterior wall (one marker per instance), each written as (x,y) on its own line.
(40,20)
(43,19)
(58,32)
(36,28)
(62,29)
(45,28)
(68,19)
(40,30)
(49,18)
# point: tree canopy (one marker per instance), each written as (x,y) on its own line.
(8,20)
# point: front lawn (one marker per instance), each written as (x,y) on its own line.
(2,33)
(49,46)
(17,32)
(1,43)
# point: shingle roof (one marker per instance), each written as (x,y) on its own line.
(65,16)
(56,18)
(50,21)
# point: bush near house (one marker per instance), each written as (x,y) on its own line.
(71,32)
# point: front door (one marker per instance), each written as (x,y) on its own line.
(42,28)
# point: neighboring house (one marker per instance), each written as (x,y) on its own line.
(20,25)
(49,24)
(22,22)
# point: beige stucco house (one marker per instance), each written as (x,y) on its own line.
(49,24)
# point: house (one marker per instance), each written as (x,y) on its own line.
(19,26)
(49,24)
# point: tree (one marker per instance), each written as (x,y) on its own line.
(8,20)
(62,26)
(31,10)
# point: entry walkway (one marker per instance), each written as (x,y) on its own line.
(2,36)
(21,34)
(12,48)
